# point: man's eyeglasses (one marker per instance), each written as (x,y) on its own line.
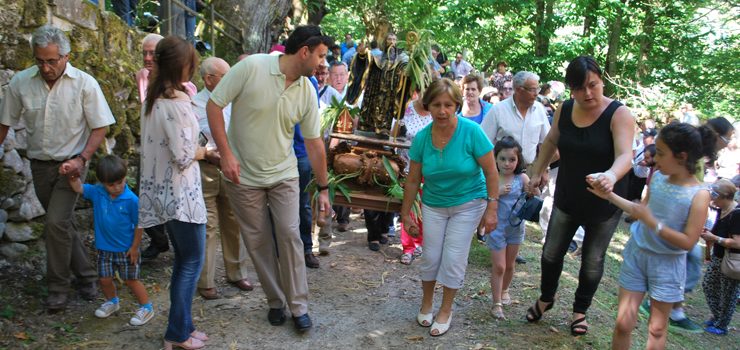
(724,139)
(216,75)
(532,90)
(41,63)
(507,89)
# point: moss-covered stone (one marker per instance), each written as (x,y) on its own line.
(35,13)
(10,183)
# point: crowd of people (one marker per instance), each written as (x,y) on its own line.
(234,159)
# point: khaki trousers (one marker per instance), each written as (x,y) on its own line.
(65,252)
(220,220)
(274,243)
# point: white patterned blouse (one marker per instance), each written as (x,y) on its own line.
(169,186)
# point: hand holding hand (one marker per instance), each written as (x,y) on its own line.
(603,182)
(213,157)
(72,167)
(410,225)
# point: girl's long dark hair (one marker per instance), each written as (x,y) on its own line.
(172,56)
(695,142)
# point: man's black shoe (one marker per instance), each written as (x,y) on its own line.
(302,323)
(520,259)
(152,252)
(311,261)
(276,316)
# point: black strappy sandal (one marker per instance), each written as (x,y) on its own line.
(534,313)
(577,328)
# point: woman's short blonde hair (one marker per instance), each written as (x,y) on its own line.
(439,87)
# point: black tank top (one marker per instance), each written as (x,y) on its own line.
(585,151)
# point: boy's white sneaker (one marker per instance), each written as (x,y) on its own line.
(107,309)
(143,315)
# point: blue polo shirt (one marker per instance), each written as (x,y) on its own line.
(299,146)
(115,219)
(452,176)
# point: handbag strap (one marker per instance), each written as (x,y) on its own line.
(512,213)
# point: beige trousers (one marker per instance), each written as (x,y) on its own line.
(220,220)
(273,241)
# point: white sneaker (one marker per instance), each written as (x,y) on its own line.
(107,309)
(143,315)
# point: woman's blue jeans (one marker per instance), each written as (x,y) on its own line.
(189,241)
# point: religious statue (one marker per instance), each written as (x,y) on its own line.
(385,84)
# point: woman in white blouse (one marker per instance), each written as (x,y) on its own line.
(170,190)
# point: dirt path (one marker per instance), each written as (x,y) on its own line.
(358,299)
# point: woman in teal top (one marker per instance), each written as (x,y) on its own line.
(460,194)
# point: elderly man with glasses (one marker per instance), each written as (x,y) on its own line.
(520,117)
(66,116)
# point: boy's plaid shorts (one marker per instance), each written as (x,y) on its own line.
(110,262)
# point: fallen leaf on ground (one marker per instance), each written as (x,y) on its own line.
(554,330)
(415,338)
(21,336)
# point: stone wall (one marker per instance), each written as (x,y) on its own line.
(103,46)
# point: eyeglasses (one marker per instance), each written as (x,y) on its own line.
(507,89)
(713,194)
(724,139)
(148,53)
(216,75)
(41,63)
(532,90)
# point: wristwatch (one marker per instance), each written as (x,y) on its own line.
(491,199)
(720,241)
(84,160)
(322,188)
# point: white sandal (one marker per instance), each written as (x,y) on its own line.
(441,328)
(424,320)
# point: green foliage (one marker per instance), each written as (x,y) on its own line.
(7,312)
(670,52)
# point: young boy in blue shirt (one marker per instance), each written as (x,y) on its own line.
(117,238)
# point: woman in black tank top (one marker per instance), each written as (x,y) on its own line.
(593,135)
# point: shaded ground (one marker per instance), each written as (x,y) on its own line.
(359,298)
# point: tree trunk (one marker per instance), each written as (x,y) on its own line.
(309,11)
(543,27)
(589,21)
(646,41)
(262,23)
(612,54)
(317,12)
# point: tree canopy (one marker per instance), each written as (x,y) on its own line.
(657,54)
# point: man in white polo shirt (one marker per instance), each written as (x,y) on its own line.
(269,96)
